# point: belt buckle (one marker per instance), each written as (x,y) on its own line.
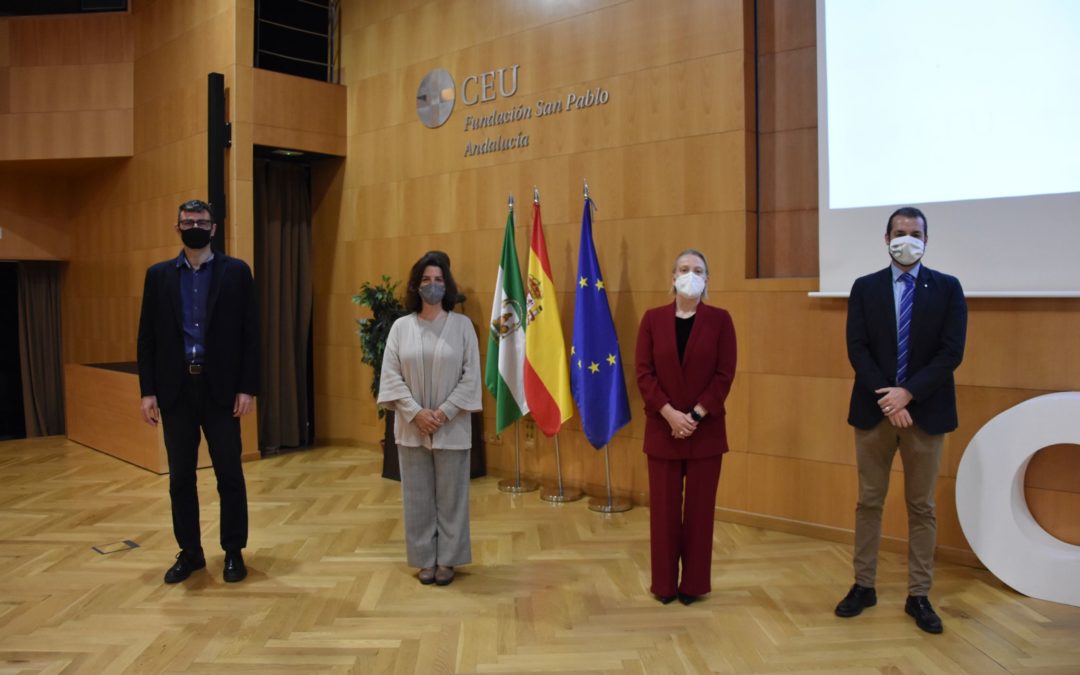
(194,368)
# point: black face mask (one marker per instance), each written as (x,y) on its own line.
(195,238)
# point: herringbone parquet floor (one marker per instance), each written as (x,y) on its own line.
(552,589)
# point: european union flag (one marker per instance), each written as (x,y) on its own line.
(596,374)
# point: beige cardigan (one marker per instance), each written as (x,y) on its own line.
(455,377)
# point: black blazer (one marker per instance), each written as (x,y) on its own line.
(935,348)
(232,330)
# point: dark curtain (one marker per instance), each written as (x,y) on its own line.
(283,279)
(40,348)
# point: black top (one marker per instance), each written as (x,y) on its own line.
(682,333)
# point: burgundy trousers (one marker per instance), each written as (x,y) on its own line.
(682,504)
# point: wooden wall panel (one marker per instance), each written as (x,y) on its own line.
(1033,328)
(66,88)
(5,44)
(33,216)
(1052,488)
(786,25)
(1052,468)
(66,135)
(790,187)
(578,36)
(5,90)
(797,417)
(1056,512)
(787,115)
(70,40)
(99,86)
(286,102)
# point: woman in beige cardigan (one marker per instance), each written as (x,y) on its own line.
(431,380)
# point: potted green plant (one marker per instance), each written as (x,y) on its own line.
(386,308)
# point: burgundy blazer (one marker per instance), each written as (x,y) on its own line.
(704,377)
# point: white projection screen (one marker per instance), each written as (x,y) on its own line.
(967,109)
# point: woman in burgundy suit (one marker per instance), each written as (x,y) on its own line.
(685,365)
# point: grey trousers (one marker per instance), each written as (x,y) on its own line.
(920,453)
(435,496)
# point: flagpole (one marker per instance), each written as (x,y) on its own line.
(518,484)
(563,494)
(611,504)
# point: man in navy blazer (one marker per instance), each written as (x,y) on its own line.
(906,327)
(198,369)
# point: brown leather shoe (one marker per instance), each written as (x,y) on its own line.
(444,574)
(426,575)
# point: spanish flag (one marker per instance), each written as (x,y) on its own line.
(547,377)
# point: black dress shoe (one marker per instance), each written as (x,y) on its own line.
(918,606)
(234,567)
(688,599)
(857,599)
(185,564)
(665,599)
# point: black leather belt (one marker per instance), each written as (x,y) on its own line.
(194,368)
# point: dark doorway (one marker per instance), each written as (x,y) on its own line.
(286,406)
(12,420)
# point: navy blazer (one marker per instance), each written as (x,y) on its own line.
(232,333)
(935,347)
(703,376)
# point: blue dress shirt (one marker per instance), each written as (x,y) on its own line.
(194,296)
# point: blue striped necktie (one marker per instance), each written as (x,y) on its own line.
(903,327)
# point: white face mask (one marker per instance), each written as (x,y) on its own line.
(906,250)
(690,285)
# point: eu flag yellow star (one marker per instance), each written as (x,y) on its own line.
(584,282)
(599,284)
(611,359)
(594,367)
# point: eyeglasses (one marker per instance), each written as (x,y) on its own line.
(188,223)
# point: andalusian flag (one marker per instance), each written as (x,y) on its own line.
(547,378)
(503,374)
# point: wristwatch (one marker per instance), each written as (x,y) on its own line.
(695,415)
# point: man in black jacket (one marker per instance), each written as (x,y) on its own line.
(906,327)
(198,369)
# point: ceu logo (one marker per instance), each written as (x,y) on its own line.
(436,95)
(435,98)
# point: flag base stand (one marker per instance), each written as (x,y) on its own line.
(609,504)
(518,484)
(557,496)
